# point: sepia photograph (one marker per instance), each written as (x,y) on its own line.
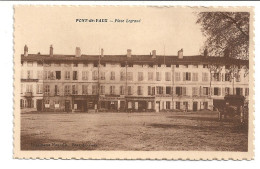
(133,82)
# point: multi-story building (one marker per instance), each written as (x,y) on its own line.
(129,82)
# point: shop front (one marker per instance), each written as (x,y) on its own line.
(112,103)
(140,104)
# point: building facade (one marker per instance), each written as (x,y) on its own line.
(128,82)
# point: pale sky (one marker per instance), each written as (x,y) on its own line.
(174,28)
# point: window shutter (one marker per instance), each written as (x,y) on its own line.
(184,76)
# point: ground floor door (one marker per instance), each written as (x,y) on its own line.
(195,106)
(67,105)
(157,106)
(39,105)
(205,105)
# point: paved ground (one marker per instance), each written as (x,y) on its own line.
(131,131)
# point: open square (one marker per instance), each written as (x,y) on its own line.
(200,131)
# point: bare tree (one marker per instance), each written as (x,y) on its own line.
(226,31)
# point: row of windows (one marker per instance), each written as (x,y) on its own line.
(185,76)
(151,90)
(95,64)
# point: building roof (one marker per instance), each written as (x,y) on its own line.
(141,59)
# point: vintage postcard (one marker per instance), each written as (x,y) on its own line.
(134,82)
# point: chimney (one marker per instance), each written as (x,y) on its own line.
(129,52)
(51,50)
(206,53)
(102,52)
(78,52)
(154,54)
(25,50)
(180,54)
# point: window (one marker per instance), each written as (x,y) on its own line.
(227,90)
(130,65)
(58,75)
(84,75)
(102,90)
(122,76)
(95,64)
(194,76)
(67,90)
(195,91)
(29,74)
(227,77)
(39,88)
(186,76)
(140,90)
(47,89)
(75,65)
(184,91)
(205,66)
(67,75)
(103,64)
(177,76)
(205,77)
(151,90)
(67,65)
(178,105)
(168,65)
(159,89)
(75,75)
(122,90)
(112,75)
(168,90)
(158,76)
(140,76)
(216,76)
(179,91)
(94,89)
(159,65)
(167,76)
(205,91)
(150,76)
(150,65)
(177,66)
(129,90)
(130,76)
(239,91)
(47,64)
(168,105)
(84,89)
(102,76)
(56,90)
(94,75)
(74,89)
(29,64)
(122,64)
(238,77)
(246,91)
(85,64)
(217,91)
(39,75)
(112,90)
(39,64)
